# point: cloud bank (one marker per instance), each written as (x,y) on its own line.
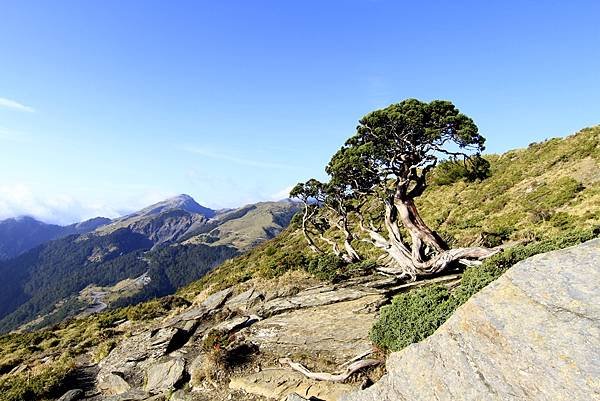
(60,208)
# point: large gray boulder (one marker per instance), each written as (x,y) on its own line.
(534,334)
(164,375)
(123,368)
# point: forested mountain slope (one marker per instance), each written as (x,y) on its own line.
(20,234)
(45,283)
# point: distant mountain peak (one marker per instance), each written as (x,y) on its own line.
(187,203)
(180,202)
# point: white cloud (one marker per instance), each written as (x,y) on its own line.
(20,200)
(14,105)
(282,194)
(236,160)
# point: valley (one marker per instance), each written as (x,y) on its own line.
(146,254)
(265,317)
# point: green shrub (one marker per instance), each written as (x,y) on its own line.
(326,267)
(412,317)
(415,315)
(155,308)
(451,171)
(35,386)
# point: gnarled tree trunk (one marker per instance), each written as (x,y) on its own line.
(421,235)
(351,255)
(308,214)
(411,261)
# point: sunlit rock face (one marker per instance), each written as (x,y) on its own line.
(534,334)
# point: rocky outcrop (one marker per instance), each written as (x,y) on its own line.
(324,330)
(534,334)
(245,332)
(72,395)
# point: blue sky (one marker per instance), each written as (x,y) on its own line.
(107,106)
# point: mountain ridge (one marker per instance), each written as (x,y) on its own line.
(22,233)
(158,230)
(302,306)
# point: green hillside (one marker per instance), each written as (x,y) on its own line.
(546,196)
(532,194)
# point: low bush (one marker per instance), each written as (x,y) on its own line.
(412,316)
(35,385)
(325,267)
(415,315)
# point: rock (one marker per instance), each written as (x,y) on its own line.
(245,300)
(111,383)
(135,395)
(163,376)
(217,299)
(72,395)
(334,332)
(322,295)
(180,395)
(123,368)
(236,323)
(533,334)
(196,371)
(193,313)
(279,383)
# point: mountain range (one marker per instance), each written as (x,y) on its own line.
(20,234)
(50,272)
(282,313)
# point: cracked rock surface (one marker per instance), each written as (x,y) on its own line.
(534,334)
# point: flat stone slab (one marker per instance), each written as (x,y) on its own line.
(337,332)
(533,334)
(320,296)
(245,300)
(164,375)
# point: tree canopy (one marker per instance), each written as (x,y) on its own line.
(389,158)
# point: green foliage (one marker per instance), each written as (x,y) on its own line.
(326,267)
(415,315)
(389,141)
(41,384)
(215,340)
(154,308)
(452,171)
(555,194)
(412,317)
(103,350)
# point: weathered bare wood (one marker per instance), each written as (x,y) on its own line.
(446,280)
(323,376)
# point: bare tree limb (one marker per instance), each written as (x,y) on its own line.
(339,377)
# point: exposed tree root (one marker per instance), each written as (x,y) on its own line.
(339,377)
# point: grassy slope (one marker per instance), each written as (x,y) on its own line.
(261,221)
(534,193)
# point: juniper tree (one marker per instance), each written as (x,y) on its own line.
(389,157)
(315,194)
